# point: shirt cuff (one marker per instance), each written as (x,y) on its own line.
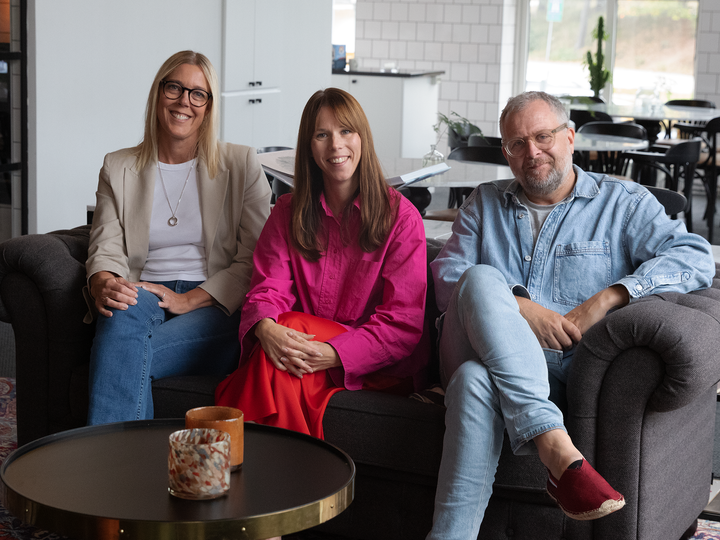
(521,291)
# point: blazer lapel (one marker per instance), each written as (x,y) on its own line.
(138,193)
(212,192)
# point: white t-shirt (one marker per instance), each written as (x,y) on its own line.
(176,253)
(538,214)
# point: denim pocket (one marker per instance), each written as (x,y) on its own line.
(581,270)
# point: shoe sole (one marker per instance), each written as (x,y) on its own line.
(606,508)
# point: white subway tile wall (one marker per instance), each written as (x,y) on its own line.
(473,41)
(707,82)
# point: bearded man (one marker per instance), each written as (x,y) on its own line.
(532,263)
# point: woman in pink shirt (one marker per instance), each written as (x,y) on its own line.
(337,297)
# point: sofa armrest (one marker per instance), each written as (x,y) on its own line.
(41,281)
(641,402)
(683,330)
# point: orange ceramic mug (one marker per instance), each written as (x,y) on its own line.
(226,419)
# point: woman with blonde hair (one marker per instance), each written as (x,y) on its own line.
(337,297)
(170,255)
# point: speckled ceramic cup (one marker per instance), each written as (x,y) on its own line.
(199,464)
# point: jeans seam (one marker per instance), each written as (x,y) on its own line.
(144,380)
(527,437)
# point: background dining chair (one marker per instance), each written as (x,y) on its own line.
(706,169)
(278,186)
(478,154)
(682,132)
(582,99)
(677,162)
(672,201)
(478,139)
(613,163)
(580,118)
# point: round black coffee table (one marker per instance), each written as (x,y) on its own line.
(110,482)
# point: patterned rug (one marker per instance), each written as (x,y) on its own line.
(12,528)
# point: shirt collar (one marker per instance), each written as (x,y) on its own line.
(323,202)
(586,186)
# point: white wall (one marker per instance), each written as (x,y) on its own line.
(707,66)
(90,66)
(471,40)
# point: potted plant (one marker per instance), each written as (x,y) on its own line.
(599,76)
(459,129)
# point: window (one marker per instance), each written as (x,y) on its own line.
(13,119)
(343,26)
(650,47)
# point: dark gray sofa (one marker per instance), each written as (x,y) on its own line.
(641,407)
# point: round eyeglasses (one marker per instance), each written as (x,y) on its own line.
(543,140)
(174,90)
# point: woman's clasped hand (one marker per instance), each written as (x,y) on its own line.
(293,351)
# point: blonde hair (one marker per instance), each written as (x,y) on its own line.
(207,146)
(377,212)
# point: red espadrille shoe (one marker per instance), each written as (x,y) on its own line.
(583,494)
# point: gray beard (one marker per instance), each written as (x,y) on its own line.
(535,186)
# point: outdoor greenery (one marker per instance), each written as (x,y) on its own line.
(655,35)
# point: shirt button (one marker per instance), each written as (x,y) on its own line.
(521,215)
(638,287)
(332,277)
(528,258)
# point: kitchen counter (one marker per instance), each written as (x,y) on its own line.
(378,72)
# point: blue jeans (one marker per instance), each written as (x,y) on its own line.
(145,342)
(496,378)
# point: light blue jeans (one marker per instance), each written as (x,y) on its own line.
(496,378)
(145,342)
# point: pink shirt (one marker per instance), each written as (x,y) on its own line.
(379,297)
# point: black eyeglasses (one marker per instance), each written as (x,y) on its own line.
(174,90)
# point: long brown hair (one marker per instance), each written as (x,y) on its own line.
(208,151)
(377,212)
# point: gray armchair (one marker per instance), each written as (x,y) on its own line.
(641,407)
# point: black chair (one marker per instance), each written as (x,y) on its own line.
(582,99)
(682,132)
(707,165)
(580,118)
(676,162)
(278,186)
(690,103)
(614,163)
(672,201)
(478,139)
(480,154)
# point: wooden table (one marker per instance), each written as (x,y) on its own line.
(111,482)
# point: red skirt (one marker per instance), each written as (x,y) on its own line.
(269,396)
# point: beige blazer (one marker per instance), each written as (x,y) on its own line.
(234,206)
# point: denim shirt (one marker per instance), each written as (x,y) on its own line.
(607,232)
